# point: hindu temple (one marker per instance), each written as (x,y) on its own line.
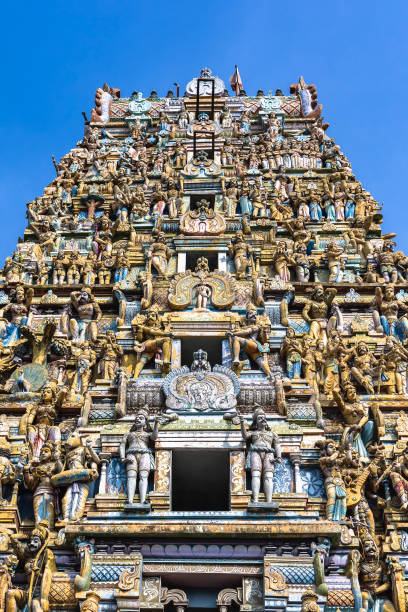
(203,367)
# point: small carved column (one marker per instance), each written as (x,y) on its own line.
(222,262)
(160,497)
(295,461)
(275,588)
(239,496)
(181,262)
(128,593)
(102,480)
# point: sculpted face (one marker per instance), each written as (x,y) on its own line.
(34,544)
(140,420)
(19,295)
(47,394)
(261,421)
(251,316)
(389,293)
(84,297)
(351,394)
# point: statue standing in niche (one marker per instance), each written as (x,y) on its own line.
(252,337)
(159,255)
(38,421)
(135,453)
(264,452)
(81,318)
(151,334)
(242,254)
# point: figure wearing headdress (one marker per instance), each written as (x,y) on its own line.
(264,452)
(251,336)
(135,453)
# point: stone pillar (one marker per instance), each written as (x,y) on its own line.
(160,497)
(295,461)
(275,587)
(128,593)
(102,480)
(181,262)
(239,496)
(222,261)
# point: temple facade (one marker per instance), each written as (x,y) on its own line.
(203,368)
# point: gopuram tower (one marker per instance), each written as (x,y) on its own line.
(203,368)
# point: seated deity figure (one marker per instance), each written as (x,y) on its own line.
(136,455)
(251,336)
(80,320)
(264,452)
(15,314)
(385,315)
(151,336)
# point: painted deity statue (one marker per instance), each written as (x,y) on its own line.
(135,453)
(331,462)
(241,252)
(38,422)
(39,565)
(159,255)
(264,452)
(79,469)
(386,313)
(359,429)
(38,478)
(80,320)
(251,337)
(317,309)
(15,314)
(151,335)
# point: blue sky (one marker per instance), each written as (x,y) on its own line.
(55,54)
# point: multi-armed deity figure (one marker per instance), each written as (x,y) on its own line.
(38,423)
(250,336)
(39,564)
(81,318)
(264,451)
(151,335)
(136,454)
(241,252)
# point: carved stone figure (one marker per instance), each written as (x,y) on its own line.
(39,564)
(80,319)
(151,334)
(250,336)
(264,452)
(110,357)
(241,253)
(80,467)
(136,454)
(331,463)
(159,255)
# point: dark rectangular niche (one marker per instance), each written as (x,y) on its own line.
(211,345)
(197,197)
(200,480)
(193,256)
